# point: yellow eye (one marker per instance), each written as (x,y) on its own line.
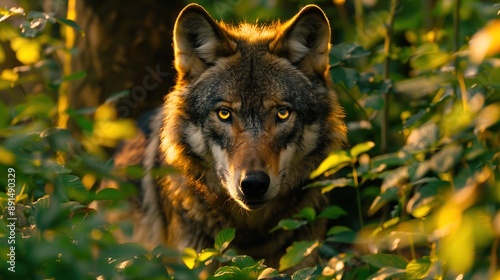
(283,114)
(224,114)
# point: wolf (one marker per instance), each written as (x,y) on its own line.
(253,112)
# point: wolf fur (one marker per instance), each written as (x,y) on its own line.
(252,114)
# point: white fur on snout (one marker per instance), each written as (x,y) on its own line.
(226,177)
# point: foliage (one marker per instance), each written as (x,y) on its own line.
(421,202)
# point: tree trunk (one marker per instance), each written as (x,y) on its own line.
(127,46)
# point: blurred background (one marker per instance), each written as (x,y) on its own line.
(418,189)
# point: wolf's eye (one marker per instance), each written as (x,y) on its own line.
(283,114)
(224,114)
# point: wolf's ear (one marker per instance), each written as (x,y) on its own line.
(198,41)
(305,41)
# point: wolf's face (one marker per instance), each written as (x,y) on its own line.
(253,106)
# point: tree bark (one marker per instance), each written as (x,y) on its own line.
(127,46)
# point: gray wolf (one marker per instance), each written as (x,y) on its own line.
(253,112)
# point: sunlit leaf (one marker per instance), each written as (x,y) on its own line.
(268,273)
(328,185)
(303,273)
(457,248)
(296,253)
(9,75)
(224,238)
(388,273)
(389,195)
(361,148)
(207,254)
(243,261)
(27,50)
(6,156)
(422,137)
(428,197)
(337,183)
(485,42)
(228,272)
(444,160)
(419,268)
(189,257)
(333,160)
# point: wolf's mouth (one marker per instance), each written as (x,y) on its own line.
(252,205)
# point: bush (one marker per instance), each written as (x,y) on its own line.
(416,196)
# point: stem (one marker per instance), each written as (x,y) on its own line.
(456,38)
(355,101)
(494,258)
(358,195)
(387,53)
(63,100)
(358,15)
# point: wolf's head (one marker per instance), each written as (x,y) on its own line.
(253,112)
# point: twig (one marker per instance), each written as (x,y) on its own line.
(64,98)
(358,15)
(456,40)
(387,53)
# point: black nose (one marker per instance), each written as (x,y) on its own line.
(255,184)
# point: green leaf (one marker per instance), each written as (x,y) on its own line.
(75,76)
(58,139)
(307,213)
(189,257)
(243,261)
(335,159)
(390,194)
(385,260)
(207,254)
(268,273)
(332,212)
(428,197)
(418,269)
(361,148)
(373,101)
(228,272)
(126,251)
(328,185)
(74,188)
(388,273)
(69,23)
(337,229)
(288,224)
(444,160)
(224,238)
(109,194)
(347,76)
(296,253)
(303,273)
(429,61)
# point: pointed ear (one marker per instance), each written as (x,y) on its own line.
(198,42)
(305,41)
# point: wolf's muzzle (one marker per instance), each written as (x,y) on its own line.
(254,184)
